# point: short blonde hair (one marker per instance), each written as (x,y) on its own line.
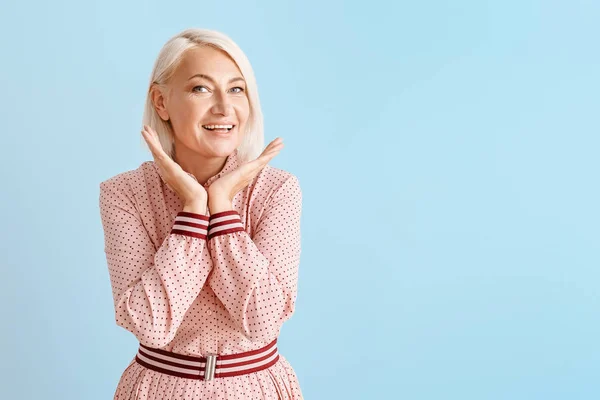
(165,65)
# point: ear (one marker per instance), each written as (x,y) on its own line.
(158,101)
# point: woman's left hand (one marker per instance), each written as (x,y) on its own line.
(222,190)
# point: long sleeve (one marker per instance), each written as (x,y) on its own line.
(152,288)
(256,278)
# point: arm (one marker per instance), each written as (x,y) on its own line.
(256,278)
(152,288)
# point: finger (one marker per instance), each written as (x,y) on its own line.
(152,141)
(153,137)
(275,145)
(157,149)
(254,166)
(272,144)
(150,144)
(270,153)
(164,162)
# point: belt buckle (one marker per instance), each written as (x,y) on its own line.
(209,368)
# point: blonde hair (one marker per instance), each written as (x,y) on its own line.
(164,67)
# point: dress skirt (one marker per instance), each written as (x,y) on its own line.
(275,383)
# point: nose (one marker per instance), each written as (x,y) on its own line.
(222,106)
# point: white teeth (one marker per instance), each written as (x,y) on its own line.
(218,126)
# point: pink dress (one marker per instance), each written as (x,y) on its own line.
(227,293)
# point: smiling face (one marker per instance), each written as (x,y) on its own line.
(206,89)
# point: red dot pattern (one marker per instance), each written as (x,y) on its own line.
(178,289)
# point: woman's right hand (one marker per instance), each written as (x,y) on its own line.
(190,191)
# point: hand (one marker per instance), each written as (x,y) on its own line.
(227,186)
(190,191)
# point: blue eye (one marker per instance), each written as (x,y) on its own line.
(237,87)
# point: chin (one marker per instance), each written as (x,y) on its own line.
(222,149)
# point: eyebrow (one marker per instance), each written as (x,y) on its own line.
(239,78)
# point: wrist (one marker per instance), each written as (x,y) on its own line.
(218,204)
(197,207)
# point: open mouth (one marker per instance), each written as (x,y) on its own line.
(218,128)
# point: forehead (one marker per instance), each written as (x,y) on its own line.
(209,61)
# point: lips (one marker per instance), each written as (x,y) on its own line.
(219,128)
(219,131)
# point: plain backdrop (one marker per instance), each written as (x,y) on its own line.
(448,157)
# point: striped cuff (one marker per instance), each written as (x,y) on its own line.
(190,224)
(224,222)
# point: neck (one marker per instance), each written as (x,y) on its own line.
(200,166)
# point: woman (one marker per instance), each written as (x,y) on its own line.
(203,243)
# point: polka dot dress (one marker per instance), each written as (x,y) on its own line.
(224,287)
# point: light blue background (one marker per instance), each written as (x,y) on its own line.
(448,156)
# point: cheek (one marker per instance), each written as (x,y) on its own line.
(184,111)
(244,111)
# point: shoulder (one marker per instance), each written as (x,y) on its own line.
(127,184)
(275,185)
(141,174)
(275,179)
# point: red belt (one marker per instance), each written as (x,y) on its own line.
(209,367)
